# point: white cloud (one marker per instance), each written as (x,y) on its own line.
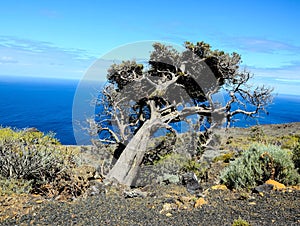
(7,60)
(285,79)
(41,59)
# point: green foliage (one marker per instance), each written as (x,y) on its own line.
(30,158)
(258,164)
(237,143)
(192,165)
(257,135)
(240,222)
(296,156)
(28,161)
(290,141)
(36,137)
(14,186)
(225,157)
(159,148)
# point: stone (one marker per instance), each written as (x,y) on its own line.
(252,203)
(31,130)
(200,202)
(263,188)
(170,179)
(191,182)
(219,187)
(167,207)
(276,185)
(135,193)
(96,188)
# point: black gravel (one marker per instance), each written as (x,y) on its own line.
(274,208)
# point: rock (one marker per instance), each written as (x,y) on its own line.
(96,188)
(167,207)
(263,188)
(170,179)
(191,182)
(92,191)
(219,187)
(210,154)
(135,193)
(200,202)
(168,215)
(276,185)
(31,130)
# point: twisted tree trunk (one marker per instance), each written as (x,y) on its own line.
(127,166)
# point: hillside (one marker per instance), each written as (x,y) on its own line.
(105,203)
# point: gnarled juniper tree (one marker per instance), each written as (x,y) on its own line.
(174,87)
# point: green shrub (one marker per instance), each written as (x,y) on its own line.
(14,186)
(290,141)
(32,157)
(258,164)
(25,136)
(296,156)
(240,222)
(192,165)
(225,157)
(257,134)
(30,162)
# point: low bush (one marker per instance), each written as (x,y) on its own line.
(296,156)
(14,186)
(200,169)
(226,158)
(240,222)
(31,157)
(258,164)
(27,136)
(27,161)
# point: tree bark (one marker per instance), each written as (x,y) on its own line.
(127,166)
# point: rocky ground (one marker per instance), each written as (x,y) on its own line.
(164,204)
(167,205)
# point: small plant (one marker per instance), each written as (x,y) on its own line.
(296,156)
(30,158)
(258,164)
(227,157)
(192,165)
(290,141)
(27,136)
(240,222)
(29,162)
(14,186)
(258,135)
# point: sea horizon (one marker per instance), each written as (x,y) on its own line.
(46,104)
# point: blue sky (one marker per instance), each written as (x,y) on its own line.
(52,38)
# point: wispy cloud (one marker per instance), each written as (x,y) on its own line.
(7,60)
(284,80)
(259,44)
(288,72)
(288,80)
(262,45)
(43,59)
(39,47)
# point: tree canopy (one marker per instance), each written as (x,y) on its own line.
(200,88)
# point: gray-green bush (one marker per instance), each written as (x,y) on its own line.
(296,156)
(30,156)
(28,161)
(258,164)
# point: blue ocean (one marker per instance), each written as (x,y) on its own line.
(46,104)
